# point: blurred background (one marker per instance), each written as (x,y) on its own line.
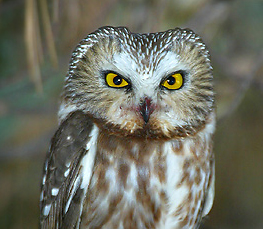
(36,41)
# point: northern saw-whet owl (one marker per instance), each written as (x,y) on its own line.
(134,146)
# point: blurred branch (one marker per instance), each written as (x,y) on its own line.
(246,81)
(48,33)
(55,10)
(33,43)
(33,40)
(212,12)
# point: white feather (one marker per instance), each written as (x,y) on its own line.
(75,187)
(132,178)
(210,196)
(176,195)
(66,172)
(46,210)
(210,128)
(44,179)
(46,165)
(54,191)
(41,195)
(88,160)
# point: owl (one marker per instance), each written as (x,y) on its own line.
(134,145)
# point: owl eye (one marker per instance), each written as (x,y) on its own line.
(115,80)
(174,81)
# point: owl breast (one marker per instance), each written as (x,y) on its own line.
(148,184)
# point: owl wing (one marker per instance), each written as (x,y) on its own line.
(62,188)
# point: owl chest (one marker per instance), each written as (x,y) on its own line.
(145,188)
(124,194)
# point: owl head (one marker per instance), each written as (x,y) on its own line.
(156,85)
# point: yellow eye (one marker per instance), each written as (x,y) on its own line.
(114,80)
(174,81)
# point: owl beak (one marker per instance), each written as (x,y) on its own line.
(146,109)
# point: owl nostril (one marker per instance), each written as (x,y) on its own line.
(146,109)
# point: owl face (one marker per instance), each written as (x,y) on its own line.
(156,85)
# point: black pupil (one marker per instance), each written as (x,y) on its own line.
(171,80)
(117,80)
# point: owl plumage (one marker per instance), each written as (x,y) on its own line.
(134,145)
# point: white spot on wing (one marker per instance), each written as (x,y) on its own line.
(68,164)
(66,172)
(41,196)
(46,210)
(54,191)
(46,165)
(44,179)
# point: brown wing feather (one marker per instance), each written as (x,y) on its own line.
(60,178)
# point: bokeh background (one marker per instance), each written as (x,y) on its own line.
(36,41)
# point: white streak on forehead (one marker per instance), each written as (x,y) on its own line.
(125,63)
(169,64)
(132,68)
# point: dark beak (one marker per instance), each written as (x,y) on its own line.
(146,109)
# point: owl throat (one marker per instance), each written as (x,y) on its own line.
(152,130)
